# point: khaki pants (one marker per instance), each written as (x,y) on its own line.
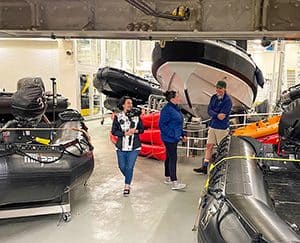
(215,136)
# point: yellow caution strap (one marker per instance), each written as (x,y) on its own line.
(44,141)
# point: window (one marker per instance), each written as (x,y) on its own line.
(113,55)
(88,52)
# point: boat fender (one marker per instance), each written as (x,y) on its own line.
(259,77)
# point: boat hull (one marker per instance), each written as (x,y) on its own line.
(193,68)
(238,205)
(115,83)
(28,175)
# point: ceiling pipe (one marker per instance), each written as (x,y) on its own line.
(148,10)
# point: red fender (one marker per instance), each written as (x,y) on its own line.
(153,151)
(151,137)
(150,120)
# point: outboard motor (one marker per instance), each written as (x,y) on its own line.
(289,125)
(29,102)
(28,106)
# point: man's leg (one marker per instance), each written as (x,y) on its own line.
(220,135)
(208,154)
(211,141)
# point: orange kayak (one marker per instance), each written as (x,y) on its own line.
(259,129)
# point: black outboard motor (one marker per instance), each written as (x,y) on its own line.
(29,102)
(289,125)
(290,95)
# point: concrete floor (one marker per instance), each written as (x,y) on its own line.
(100,213)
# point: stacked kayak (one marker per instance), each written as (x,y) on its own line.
(260,129)
(152,145)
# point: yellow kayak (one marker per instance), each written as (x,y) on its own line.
(259,129)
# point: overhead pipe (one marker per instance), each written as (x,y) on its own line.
(148,10)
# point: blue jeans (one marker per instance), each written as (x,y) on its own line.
(126,161)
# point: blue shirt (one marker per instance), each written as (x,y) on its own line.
(171,123)
(217,106)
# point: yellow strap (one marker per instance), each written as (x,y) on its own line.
(44,141)
(86,86)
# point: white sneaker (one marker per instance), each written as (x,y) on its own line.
(168,181)
(177,186)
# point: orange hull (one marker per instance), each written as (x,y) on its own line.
(259,129)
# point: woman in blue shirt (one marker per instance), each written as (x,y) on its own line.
(171,129)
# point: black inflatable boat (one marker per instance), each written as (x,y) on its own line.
(39,162)
(253,191)
(115,83)
(193,68)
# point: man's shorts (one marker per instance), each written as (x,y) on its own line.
(215,136)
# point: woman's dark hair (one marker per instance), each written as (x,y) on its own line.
(170,94)
(122,101)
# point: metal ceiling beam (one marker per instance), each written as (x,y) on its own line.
(210,19)
(154,35)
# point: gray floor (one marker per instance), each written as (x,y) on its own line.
(152,213)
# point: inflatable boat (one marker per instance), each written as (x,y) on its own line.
(253,190)
(111,103)
(115,83)
(40,162)
(248,199)
(193,68)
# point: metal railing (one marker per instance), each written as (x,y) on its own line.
(155,103)
(188,148)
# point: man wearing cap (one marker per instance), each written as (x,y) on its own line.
(219,110)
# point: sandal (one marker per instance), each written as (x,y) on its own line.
(126,192)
